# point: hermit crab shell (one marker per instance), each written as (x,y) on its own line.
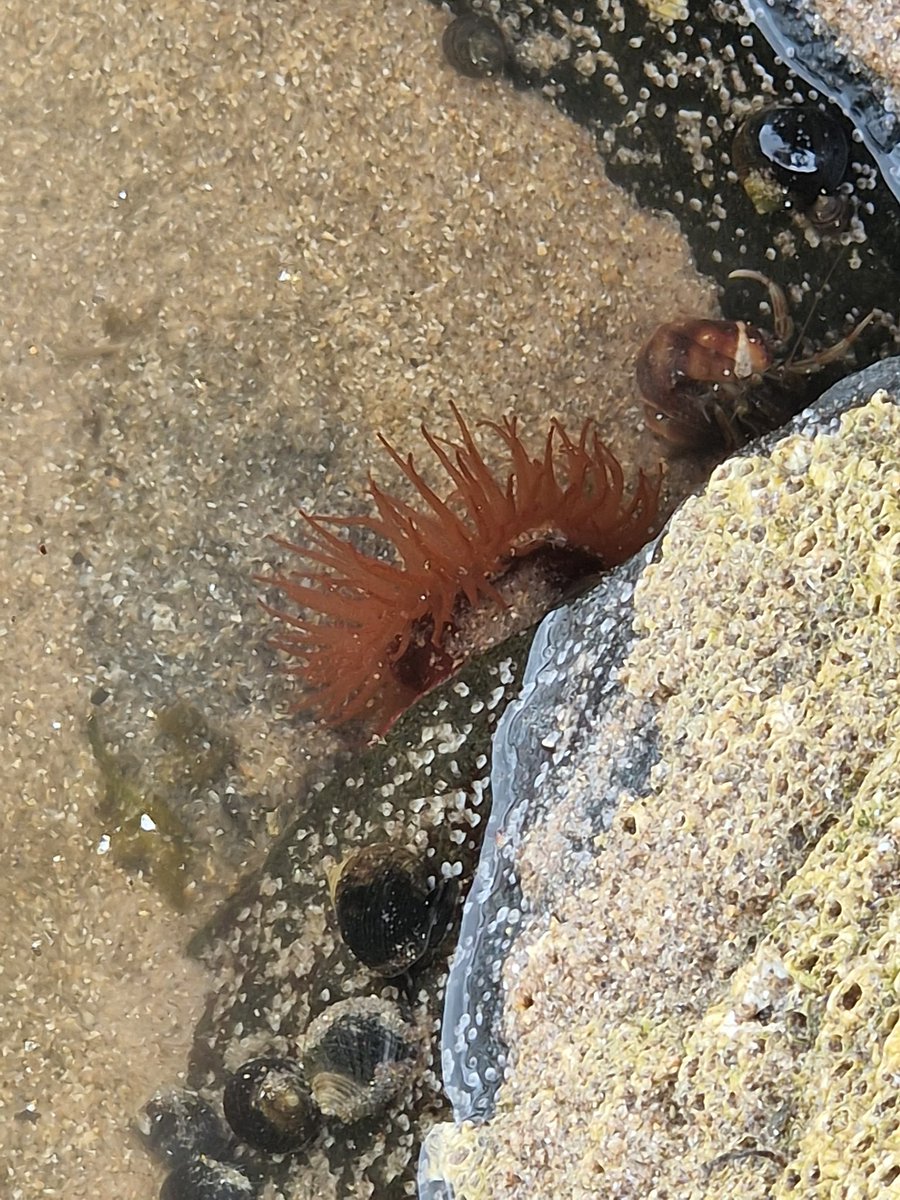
(268,1105)
(389,911)
(357,1056)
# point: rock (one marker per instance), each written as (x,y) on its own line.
(696,809)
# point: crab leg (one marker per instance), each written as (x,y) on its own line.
(781,317)
(806,366)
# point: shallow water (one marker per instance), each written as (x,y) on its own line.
(235,246)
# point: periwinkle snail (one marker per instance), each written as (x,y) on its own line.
(794,155)
(390,912)
(206,1179)
(268,1106)
(475,46)
(177,1125)
(357,1056)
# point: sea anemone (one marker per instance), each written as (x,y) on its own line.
(381,633)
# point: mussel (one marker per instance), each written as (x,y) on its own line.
(205,1179)
(268,1105)
(791,154)
(475,46)
(357,1055)
(389,911)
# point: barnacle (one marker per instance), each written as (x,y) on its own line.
(389,631)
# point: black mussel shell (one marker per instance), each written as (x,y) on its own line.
(475,46)
(177,1126)
(388,914)
(358,1055)
(794,148)
(267,1103)
(206,1179)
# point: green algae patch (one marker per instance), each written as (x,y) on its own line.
(139,807)
(201,754)
(712,1009)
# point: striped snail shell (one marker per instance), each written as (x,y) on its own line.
(475,46)
(268,1105)
(358,1055)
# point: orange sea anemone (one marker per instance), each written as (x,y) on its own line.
(380,633)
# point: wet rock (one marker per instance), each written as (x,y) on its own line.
(284,973)
(685,910)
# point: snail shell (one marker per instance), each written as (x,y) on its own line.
(475,46)
(357,1055)
(694,377)
(176,1126)
(388,913)
(701,350)
(790,151)
(206,1179)
(831,213)
(267,1103)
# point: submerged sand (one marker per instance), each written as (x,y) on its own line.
(875,40)
(236,245)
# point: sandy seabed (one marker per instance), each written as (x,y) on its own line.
(235,246)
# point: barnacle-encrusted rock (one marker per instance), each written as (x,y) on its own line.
(289,990)
(703,1000)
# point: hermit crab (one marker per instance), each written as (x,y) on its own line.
(715,384)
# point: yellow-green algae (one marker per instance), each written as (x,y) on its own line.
(140,804)
(714,1012)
